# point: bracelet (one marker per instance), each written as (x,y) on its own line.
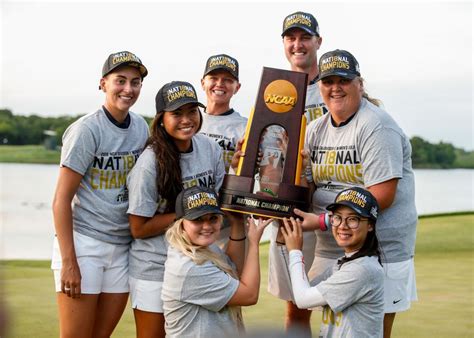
(238,240)
(326,220)
(322,222)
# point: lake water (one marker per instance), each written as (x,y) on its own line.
(26,192)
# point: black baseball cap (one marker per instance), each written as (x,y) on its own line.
(224,62)
(338,62)
(359,200)
(174,95)
(195,202)
(301,20)
(119,59)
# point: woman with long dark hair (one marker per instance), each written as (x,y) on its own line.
(176,157)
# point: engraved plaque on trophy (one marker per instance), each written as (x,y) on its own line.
(276,127)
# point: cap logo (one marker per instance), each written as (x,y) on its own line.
(124,57)
(297,19)
(336,61)
(354,197)
(201,199)
(280,96)
(179,92)
(373,211)
(217,61)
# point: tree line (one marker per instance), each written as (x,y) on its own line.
(23,130)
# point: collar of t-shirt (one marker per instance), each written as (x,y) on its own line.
(230,111)
(346,257)
(123,125)
(343,123)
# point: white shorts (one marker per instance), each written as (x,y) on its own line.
(145,295)
(103,266)
(279,282)
(399,286)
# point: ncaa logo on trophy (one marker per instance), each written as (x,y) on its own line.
(275,129)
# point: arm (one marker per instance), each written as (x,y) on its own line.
(305,296)
(249,286)
(144,227)
(384,192)
(68,183)
(236,246)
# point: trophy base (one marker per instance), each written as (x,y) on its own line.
(237,196)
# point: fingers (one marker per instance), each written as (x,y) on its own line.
(286,229)
(70,290)
(239,144)
(298,212)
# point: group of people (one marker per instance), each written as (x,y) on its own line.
(136,209)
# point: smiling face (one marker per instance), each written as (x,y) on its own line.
(301,49)
(219,86)
(342,96)
(122,88)
(182,124)
(350,239)
(204,230)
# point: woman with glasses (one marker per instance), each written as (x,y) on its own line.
(352,291)
(360,144)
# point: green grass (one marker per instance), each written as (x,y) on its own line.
(28,154)
(444,268)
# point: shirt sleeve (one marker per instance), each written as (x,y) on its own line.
(382,156)
(305,296)
(208,286)
(79,148)
(141,184)
(220,167)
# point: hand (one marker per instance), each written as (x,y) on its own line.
(71,279)
(293,234)
(254,231)
(234,163)
(309,222)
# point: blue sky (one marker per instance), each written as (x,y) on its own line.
(415,57)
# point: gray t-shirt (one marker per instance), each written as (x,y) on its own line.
(370,149)
(203,167)
(226,130)
(104,154)
(314,105)
(355,298)
(195,297)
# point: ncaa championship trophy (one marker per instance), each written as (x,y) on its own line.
(275,131)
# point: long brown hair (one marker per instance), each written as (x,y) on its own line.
(168,178)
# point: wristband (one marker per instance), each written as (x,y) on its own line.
(326,221)
(238,240)
(322,222)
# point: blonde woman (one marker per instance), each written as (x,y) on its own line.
(203,288)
